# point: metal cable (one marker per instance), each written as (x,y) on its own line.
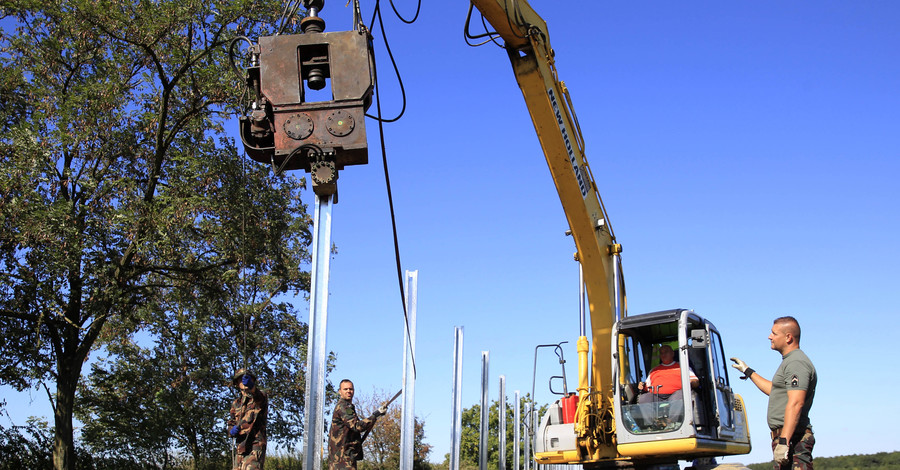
(491,35)
(387,46)
(418,8)
(387,181)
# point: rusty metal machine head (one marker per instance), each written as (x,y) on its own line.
(290,128)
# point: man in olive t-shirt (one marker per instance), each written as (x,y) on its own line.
(791,392)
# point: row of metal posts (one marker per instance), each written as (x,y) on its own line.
(315,371)
(456,417)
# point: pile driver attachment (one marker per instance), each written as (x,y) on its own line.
(288,124)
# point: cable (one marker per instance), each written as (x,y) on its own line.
(488,34)
(492,35)
(313,151)
(245,89)
(418,8)
(520,19)
(288,13)
(387,180)
(387,46)
(234,67)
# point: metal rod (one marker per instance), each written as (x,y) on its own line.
(485,406)
(617,280)
(529,432)
(581,317)
(517,424)
(456,409)
(534,427)
(407,414)
(315,342)
(501,411)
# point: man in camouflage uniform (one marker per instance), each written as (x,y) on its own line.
(345,436)
(791,392)
(247,422)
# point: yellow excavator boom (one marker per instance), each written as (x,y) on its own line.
(527,43)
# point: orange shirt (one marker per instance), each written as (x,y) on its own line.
(668,376)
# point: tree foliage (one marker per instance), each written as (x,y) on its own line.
(26,446)
(382,447)
(469,437)
(124,208)
(166,393)
(879,461)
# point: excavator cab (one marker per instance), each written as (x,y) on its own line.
(706,419)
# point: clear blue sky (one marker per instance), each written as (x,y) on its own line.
(746,153)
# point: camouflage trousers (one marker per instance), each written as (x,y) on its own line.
(252,461)
(341,464)
(800,452)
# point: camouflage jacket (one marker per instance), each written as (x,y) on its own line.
(345,436)
(248,412)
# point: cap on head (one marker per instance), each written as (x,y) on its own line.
(239,374)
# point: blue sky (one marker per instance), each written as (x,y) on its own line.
(746,153)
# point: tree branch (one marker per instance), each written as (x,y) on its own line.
(29,317)
(49,397)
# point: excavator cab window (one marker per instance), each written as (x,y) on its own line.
(651,398)
(630,368)
(663,383)
(724,397)
(694,406)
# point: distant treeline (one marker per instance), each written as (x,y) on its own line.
(881,460)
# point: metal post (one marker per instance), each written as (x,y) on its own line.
(407,414)
(517,423)
(456,408)
(529,433)
(501,410)
(315,342)
(485,407)
(534,427)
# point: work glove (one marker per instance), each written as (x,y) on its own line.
(742,367)
(780,454)
(381,411)
(235,430)
(247,380)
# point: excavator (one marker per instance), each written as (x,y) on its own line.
(605,423)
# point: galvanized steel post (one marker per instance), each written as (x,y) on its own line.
(517,423)
(407,414)
(315,342)
(529,433)
(501,411)
(456,407)
(534,427)
(485,406)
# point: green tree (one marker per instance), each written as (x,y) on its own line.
(469,442)
(110,215)
(165,394)
(382,446)
(152,403)
(880,460)
(26,446)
